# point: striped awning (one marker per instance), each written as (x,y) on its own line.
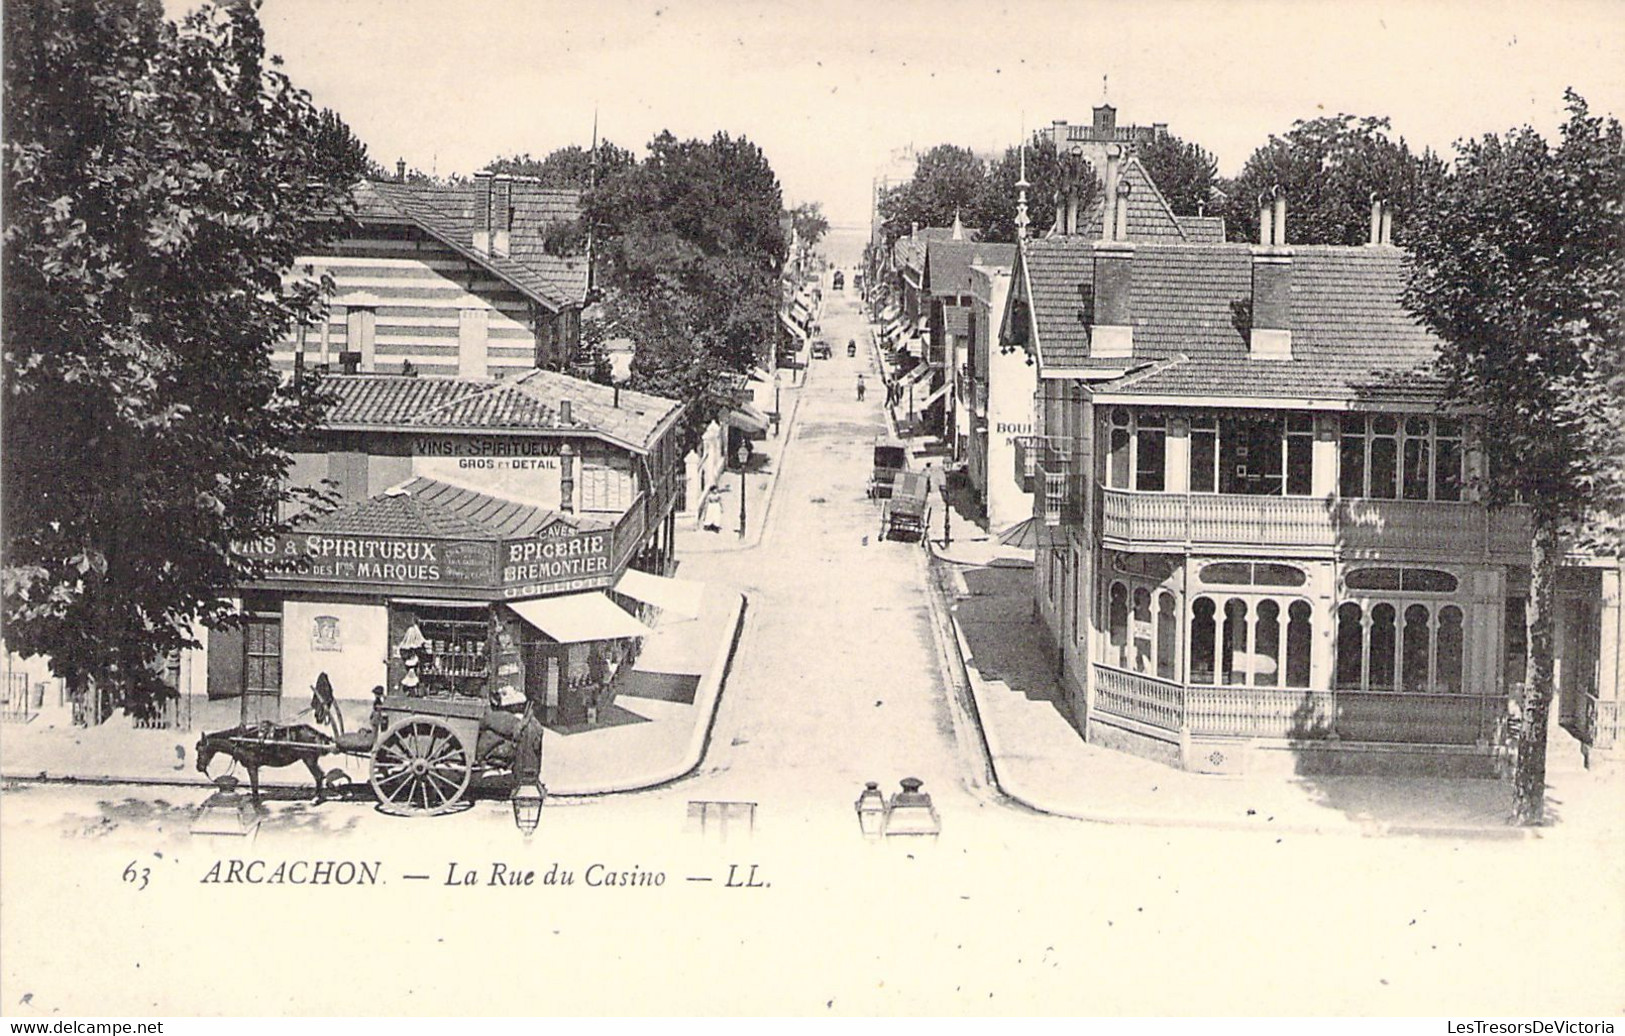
(793,327)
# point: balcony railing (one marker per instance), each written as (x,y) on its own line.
(1227,519)
(1060,475)
(1287,713)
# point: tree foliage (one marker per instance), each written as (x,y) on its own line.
(160,179)
(1049,174)
(1185,173)
(810,222)
(1518,268)
(690,247)
(1329,168)
(948,181)
(569,166)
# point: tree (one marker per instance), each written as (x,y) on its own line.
(569,166)
(948,181)
(1518,268)
(691,247)
(160,179)
(810,222)
(1185,173)
(1047,178)
(1329,168)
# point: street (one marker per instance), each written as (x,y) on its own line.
(837,680)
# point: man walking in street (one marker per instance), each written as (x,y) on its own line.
(860,388)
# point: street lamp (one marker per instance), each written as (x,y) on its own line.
(526,801)
(871,806)
(743,455)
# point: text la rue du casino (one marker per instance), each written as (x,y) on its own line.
(464,875)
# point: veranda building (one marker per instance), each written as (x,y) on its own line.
(1264,546)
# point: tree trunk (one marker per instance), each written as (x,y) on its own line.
(1529,777)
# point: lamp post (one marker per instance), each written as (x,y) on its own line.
(526,801)
(776,401)
(744,458)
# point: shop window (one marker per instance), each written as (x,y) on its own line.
(1448,667)
(1151,452)
(1167,637)
(1142,630)
(1350,647)
(1117,626)
(1414,647)
(1202,646)
(1384,618)
(1204,454)
(1298,644)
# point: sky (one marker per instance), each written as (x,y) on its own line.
(830,89)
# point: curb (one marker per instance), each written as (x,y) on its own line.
(1025,798)
(707,698)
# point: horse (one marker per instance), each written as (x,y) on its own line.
(267,744)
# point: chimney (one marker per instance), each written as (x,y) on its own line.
(1376,221)
(1270,336)
(400,170)
(567,479)
(1108,200)
(564,412)
(482,215)
(501,212)
(1387,225)
(1121,210)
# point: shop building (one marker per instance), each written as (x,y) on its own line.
(1265,545)
(487,526)
(951,297)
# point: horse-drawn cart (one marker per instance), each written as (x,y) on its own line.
(423,752)
(905,510)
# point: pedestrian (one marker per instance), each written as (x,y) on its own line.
(710,515)
(860,388)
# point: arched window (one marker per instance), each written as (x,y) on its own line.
(1142,631)
(1410,580)
(1415,644)
(1117,625)
(1297,644)
(1350,646)
(1448,668)
(1167,637)
(1383,620)
(1247,573)
(1267,645)
(1202,640)
(1234,659)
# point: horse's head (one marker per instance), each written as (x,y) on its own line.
(207,746)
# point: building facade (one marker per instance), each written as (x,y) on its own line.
(1266,546)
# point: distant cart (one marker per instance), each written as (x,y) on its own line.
(890,457)
(904,512)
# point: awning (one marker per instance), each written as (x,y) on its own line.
(890,312)
(573,618)
(794,328)
(914,374)
(893,326)
(746,418)
(673,596)
(941,391)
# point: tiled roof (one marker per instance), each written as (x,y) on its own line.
(451,214)
(1149,217)
(429,509)
(525,402)
(909,252)
(1202,229)
(948,263)
(1351,334)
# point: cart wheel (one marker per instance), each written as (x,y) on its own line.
(420,768)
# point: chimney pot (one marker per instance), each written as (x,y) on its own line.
(1123,189)
(1108,215)
(1265,235)
(1280,216)
(1387,225)
(400,170)
(1376,221)
(564,412)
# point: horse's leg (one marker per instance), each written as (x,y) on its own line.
(254,785)
(316,775)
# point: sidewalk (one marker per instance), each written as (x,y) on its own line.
(1041,760)
(654,733)
(761,479)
